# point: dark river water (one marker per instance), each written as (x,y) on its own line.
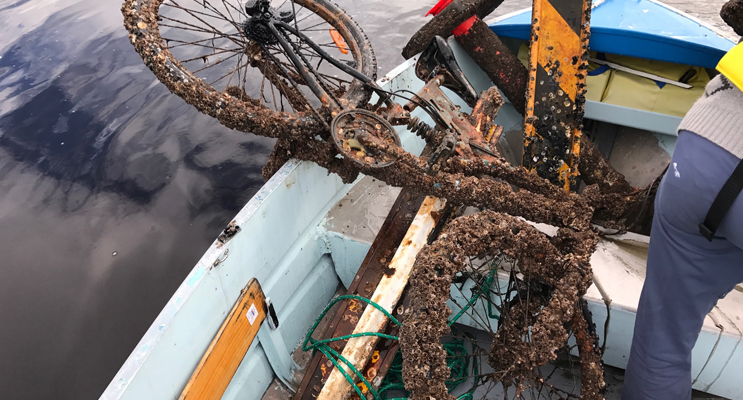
(111,188)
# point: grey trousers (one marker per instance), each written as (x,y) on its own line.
(686,274)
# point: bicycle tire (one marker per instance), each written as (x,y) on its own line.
(141,20)
(444,23)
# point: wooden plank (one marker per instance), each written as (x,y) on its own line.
(215,371)
(367,278)
(359,349)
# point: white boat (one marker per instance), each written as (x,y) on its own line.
(304,232)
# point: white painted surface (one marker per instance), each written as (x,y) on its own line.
(282,250)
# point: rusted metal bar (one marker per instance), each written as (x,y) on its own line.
(370,273)
(444,22)
(359,349)
(493,57)
(557,84)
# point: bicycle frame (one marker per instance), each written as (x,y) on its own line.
(261,13)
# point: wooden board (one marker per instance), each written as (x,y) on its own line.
(215,371)
(359,350)
(370,273)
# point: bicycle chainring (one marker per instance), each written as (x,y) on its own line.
(351,128)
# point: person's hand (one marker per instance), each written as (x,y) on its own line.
(732,14)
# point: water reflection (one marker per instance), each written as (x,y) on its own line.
(97,157)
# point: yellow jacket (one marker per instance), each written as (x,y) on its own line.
(732,65)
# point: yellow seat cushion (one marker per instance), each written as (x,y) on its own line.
(629,90)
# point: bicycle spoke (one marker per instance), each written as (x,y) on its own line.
(309,28)
(193,43)
(178,7)
(200,19)
(212,65)
(304,18)
(205,57)
(242,12)
(216,50)
(273,95)
(231,20)
(200,29)
(187,27)
(231,73)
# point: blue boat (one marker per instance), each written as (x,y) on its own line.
(305,233)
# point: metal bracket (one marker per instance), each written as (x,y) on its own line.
(438,60)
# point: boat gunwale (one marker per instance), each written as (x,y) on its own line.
(614,32)
(716,30)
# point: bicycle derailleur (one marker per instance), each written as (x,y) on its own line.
(260,13)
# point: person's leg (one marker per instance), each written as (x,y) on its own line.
(686,274)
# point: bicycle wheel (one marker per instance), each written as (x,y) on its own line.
(519,290)
(210,54)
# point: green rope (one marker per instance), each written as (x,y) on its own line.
(457,361)
(481,291)
(315,344)
(457,358)
(332,355)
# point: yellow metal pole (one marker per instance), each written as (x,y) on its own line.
(556,89)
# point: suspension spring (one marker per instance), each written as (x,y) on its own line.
(422,129)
